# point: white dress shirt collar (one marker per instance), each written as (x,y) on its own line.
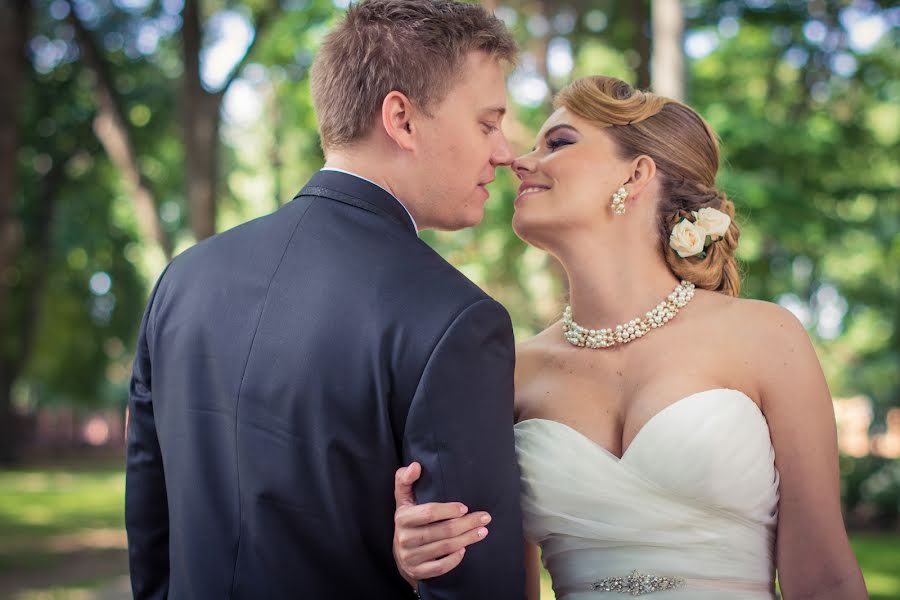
(373,183)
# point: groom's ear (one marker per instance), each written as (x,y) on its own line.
(396,117)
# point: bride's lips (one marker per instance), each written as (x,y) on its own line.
(527,189)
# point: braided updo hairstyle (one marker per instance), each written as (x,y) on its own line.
(686,153)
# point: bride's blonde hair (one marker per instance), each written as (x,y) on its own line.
(686,152)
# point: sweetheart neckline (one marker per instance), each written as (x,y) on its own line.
(665,409)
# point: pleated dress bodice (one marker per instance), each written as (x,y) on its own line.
(692,503)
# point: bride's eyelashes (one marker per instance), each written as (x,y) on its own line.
(556,143)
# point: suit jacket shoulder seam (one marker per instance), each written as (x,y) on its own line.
(241,388)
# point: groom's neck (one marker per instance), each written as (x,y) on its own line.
(378,170)
(360,167)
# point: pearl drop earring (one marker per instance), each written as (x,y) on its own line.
(618,201)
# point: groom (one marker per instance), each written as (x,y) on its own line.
(286,368)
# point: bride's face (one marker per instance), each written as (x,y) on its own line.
(568,180)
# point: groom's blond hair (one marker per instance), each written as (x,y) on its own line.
(416,47)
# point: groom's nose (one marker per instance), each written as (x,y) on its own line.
(502,154)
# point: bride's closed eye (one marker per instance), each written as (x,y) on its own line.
(556,143)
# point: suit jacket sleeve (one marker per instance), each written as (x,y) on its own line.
(460,428)
(146,508)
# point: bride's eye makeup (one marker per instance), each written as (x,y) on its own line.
(559,136)
(554,143)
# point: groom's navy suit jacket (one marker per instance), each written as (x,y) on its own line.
(285,369)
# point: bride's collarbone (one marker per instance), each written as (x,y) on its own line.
(611,391)
(631,380)
(608,399)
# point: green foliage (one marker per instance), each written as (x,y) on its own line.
(816,186)
(809,158)
(871,485)
(879,491)
(76,332)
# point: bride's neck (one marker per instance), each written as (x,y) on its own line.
(611,283)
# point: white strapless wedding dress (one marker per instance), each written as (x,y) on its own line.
(692,502)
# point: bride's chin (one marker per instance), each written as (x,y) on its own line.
(528,232)
(520,227)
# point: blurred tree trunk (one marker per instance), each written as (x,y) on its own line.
(668,49)
(641,42)
(540,45)
(9,437)
(32,288)
(112,130)
(13,34)
(14,26)
(202,118)
(201,130)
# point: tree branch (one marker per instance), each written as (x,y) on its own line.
(112,130)
(263,22)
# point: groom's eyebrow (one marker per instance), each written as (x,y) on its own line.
(497,111)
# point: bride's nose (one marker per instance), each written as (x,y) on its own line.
(524,165)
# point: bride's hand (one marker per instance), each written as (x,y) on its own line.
(430,539)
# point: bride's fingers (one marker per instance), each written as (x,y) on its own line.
(426,514)
(416,537)
(445,547)
(404,479)
(438,567)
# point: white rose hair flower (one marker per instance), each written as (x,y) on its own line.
(714,222)
(691,238)
(687,239)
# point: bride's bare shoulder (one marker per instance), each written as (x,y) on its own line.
(534,352)
(761,320)
(769,333)
(536,358)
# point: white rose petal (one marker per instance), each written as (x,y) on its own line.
(687,239)
(714,222)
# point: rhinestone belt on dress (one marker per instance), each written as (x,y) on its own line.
(637,584)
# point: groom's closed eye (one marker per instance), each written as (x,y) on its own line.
(491,119)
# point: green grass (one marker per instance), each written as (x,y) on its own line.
(879,557)
(43,510)
(83,590)
(51,502)
(46,513)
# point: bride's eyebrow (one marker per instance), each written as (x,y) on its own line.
(556,128)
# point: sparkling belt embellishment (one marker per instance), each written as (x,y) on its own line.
(637,584)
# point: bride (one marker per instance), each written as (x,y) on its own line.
(672,438)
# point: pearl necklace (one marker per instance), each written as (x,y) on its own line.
(664,312)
